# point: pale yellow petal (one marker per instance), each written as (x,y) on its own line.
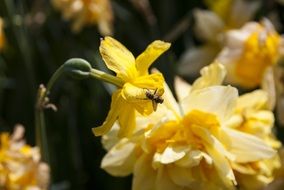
(193,158)
(110,139)
(219,156)
(254,100)
(170,102)
(211,75)
(164,181)
(115,107)
(218,100)
(152,52)
(120,160)
(182,176)
(118,58)
(208,25)
(247,148)
(173,153)
(182,88)
(144,177)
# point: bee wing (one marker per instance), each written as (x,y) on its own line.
(154,104)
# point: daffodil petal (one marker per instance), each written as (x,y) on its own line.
(223,167)
(110,139)
(193,158)
(152,81)
(182,88)
(144,176)
(170,102)
(152,52)
(120,160)
(208,24)
(254,100)
(132,93)
(248,148)
(127,121)
(182,176)
(118,58)
(115,107)
(211,75)
(219,100)
(164,181)
(173,153)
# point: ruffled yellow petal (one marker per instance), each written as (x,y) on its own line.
(253,100)
(211,75)
(218,100)
(118,58)
(247,148)
(117,103)
(119,161)
(152,52)
(144,176)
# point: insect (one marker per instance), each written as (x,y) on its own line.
(156,99)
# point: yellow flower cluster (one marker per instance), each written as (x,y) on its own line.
(87,12)
(250,51)
(211,139)
(20,166)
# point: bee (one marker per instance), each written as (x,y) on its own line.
(156,99)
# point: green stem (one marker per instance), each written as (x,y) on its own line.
(77,68)
(106,77)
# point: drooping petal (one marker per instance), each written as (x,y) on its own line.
(144,177)
(126,121)
(211,75)
(110,139)
(247,148)
(219,100)
(115,107)
(152,52)
(120,160)
(118,58)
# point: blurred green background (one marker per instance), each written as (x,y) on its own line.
(38,41)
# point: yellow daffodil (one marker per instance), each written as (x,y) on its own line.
(187,145)
(252,116)
(87,12)
(211,26)
(136,82)
(250,51)
(20,166)
(2,36)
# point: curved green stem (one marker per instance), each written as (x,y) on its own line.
(77,68)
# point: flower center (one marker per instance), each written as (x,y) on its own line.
(260,51)
(183,132)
